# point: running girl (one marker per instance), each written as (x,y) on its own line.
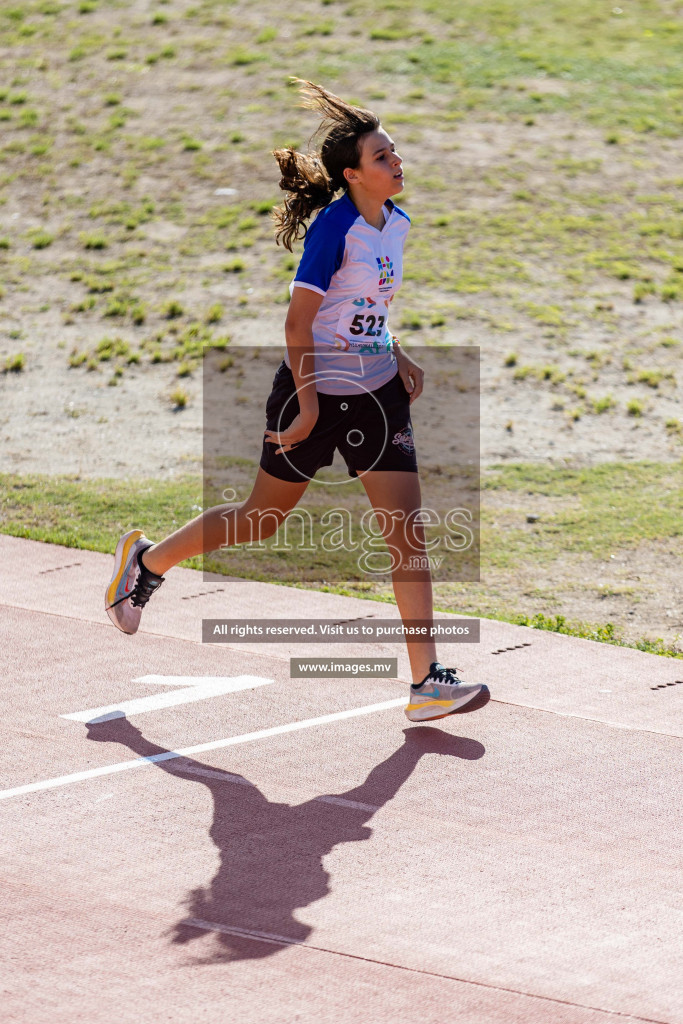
(345,383)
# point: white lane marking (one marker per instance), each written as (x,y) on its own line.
(196,688)
(216,773)
(341,802)
(168,755)
(242,933)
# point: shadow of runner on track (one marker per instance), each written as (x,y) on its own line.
(271,853)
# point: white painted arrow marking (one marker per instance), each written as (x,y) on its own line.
(194,688)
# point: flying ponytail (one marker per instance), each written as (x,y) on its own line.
(309,188)
(311,181)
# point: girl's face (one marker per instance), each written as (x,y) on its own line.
(379,174)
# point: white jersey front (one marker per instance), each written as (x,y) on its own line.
(358,269)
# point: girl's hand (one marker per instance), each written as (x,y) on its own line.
(297,431)
(410,373)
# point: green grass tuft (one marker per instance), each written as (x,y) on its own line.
(15,363)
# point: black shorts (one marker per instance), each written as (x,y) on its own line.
(372,431)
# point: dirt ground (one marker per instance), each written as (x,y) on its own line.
(59,419)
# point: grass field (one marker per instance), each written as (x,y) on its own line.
(543,152)
(602,515)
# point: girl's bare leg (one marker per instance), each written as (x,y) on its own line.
(265,509)
(400,492)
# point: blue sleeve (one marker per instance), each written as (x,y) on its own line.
(323,252)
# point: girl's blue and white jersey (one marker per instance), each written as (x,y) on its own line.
(358,270)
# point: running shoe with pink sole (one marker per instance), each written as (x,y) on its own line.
(131,585)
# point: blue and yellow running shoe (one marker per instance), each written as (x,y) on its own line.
(439,694)
(131,585)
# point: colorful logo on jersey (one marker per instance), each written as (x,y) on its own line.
(386,270)
(361,302)
(370,348)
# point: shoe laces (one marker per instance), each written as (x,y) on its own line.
(144,588)
(445,675)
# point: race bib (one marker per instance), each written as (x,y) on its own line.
(362,327)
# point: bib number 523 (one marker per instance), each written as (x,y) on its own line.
(368,324)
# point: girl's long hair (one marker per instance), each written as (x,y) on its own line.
(311,180)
